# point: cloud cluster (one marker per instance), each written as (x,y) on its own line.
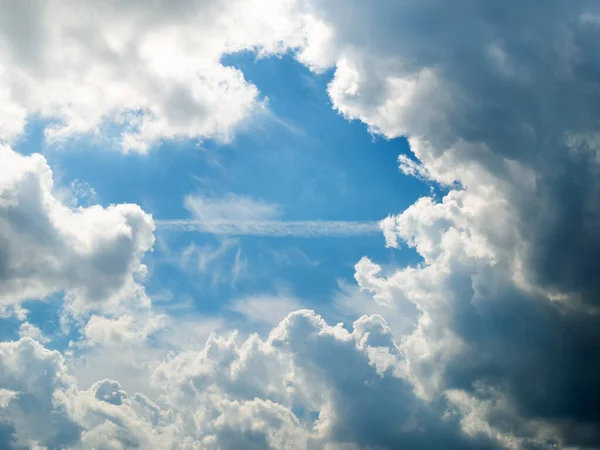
(134,70)
(92,254)
(308,385)
(498,102)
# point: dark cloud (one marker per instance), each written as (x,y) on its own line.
(502,99)
(372,408)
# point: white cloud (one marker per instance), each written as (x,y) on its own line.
(38,378)
(207,254)
(308,385)
(16,311)
(300,228)
(141,71)
(328,376)
(229,209)
(350,302)
(27,329)
(236,215)
(6,396)
(509,269)
(93,253)
(126,345)
(266,309)
(125,330)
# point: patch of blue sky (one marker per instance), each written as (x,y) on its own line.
(300,155)
(46,316)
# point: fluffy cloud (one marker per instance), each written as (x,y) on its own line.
(498,103)
(39,387)
(123,331)
(137,70)
(471,102)
(28,330)
(308,385)
(46,409)
(93,254)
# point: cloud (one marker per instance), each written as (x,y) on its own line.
(230,208)
(299,228)
(123,331)
(497,102)
(350,302)
(93,254)
(236,215)
(266,309)
(138,71)
(125,348)
(308,385)
(37,409)
(221,262)
(27,329)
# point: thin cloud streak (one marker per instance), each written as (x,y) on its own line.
(298,228)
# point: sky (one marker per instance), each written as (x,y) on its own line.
(302,224)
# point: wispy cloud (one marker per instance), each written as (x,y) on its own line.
(230,208)
(299,228)
(220,263)
(243,216)
(266,308)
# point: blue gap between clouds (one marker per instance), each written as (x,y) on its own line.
(310,160)
(45,315)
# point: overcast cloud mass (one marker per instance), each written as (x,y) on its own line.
(499,346)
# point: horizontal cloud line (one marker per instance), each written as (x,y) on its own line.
(298,228)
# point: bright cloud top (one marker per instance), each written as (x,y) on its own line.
(135,71)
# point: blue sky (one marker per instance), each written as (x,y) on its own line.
(299,154)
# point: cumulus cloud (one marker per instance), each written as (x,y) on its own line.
(125,330)
(497,101)
(93,254)
(126,346)
(230,208)
(308,385)
(137,70)
(27,329)
(37,409)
